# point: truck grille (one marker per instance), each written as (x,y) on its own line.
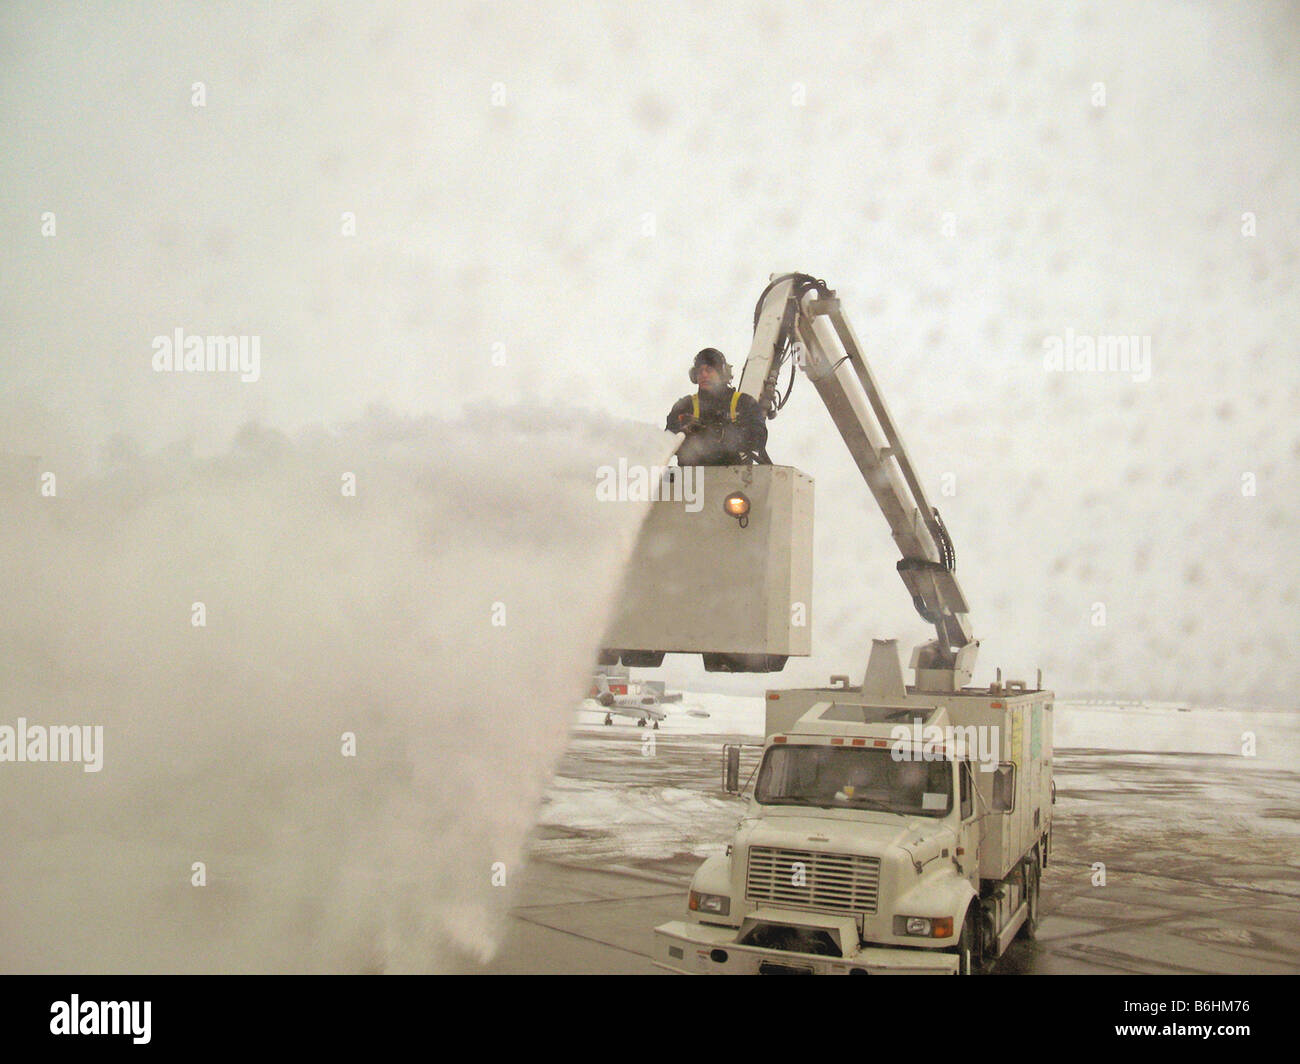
(843,882)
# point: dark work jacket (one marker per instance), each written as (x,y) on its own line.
(719,442)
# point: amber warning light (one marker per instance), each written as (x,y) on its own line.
(737,506)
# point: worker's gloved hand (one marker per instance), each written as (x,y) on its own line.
(689,425)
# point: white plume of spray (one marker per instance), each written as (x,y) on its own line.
(446,615)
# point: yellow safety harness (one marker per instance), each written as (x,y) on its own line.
(695,405)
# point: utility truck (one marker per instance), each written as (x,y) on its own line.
(891,828)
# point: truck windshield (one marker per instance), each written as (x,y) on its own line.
(838,777)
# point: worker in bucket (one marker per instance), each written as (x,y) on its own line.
(722,426)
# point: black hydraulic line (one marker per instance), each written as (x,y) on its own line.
(945,546)
(758,309)
(789,388)
(804,283)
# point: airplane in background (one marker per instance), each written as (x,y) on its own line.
(613,688)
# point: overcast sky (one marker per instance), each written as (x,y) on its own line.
(592,192)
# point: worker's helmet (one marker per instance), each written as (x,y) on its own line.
(711,356)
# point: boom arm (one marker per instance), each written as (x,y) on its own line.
(799,320)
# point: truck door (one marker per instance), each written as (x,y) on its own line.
(968,836)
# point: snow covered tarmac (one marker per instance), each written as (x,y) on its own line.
(1178,858)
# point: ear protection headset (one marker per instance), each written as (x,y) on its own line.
(712,356)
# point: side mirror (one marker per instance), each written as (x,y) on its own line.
(1004,788)
(731,768)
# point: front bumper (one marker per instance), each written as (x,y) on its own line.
(688,949)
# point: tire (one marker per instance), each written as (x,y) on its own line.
(1033,887)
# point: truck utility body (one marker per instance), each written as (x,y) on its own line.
(890,828)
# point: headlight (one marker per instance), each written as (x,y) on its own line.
(718,904)
(923,926)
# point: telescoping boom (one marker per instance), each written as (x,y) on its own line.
(799,322)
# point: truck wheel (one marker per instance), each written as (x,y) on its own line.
(1033,881)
